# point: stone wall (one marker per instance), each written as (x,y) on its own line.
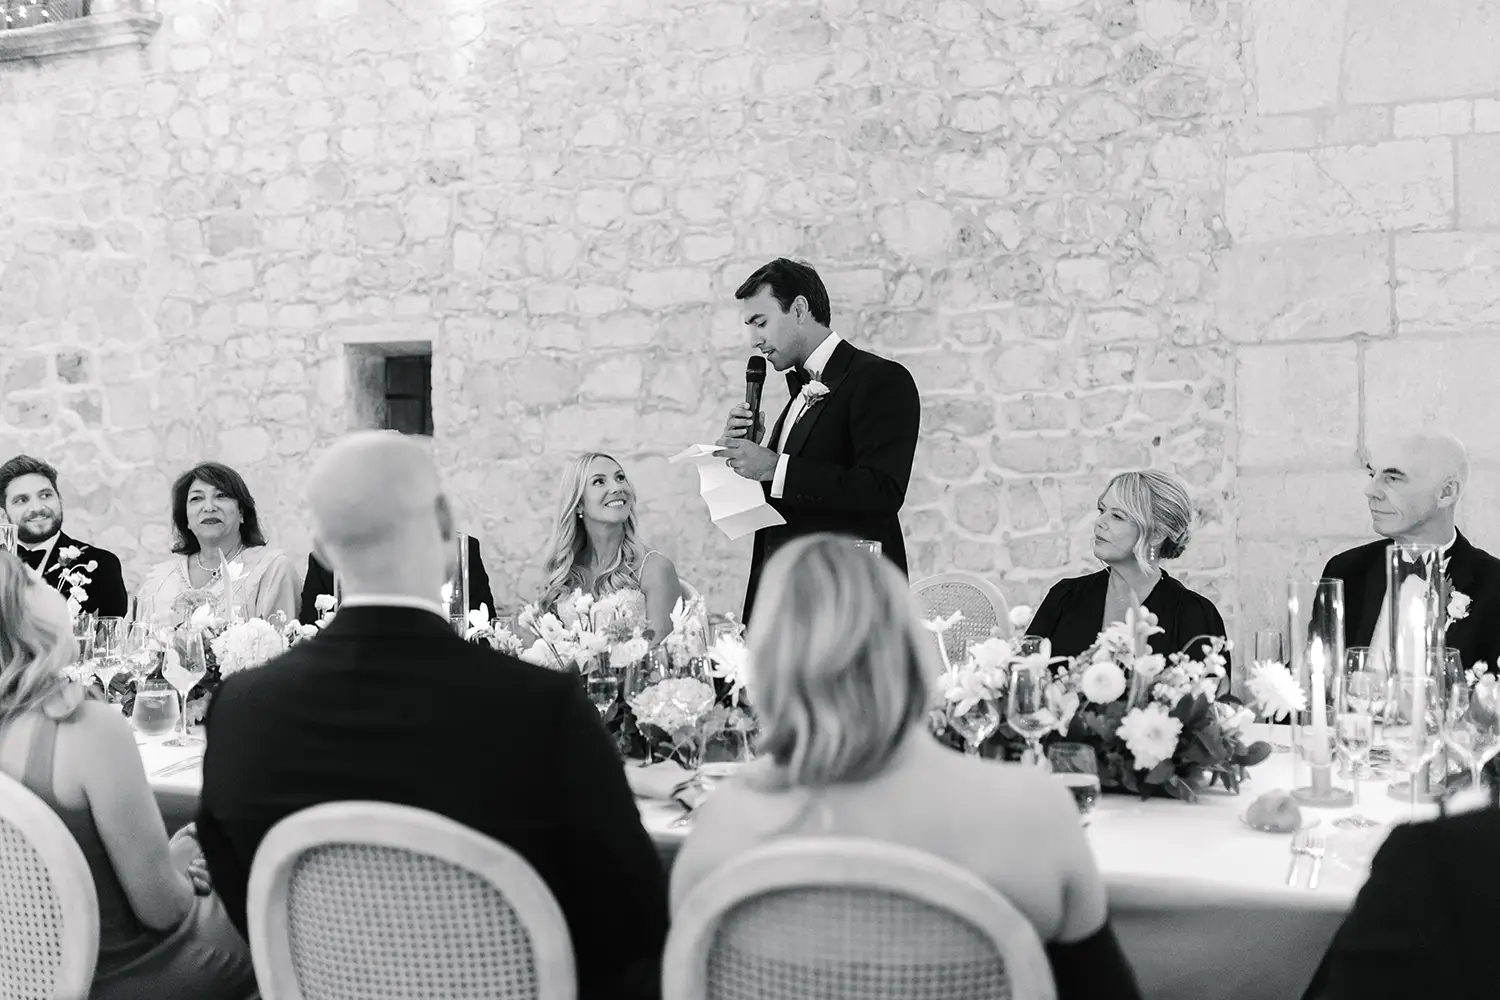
(1362,293)
(1103,234)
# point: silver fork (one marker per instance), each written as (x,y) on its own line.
(1316,847)
(1299,848)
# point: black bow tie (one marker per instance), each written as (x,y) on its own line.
(34,557)
(799,377)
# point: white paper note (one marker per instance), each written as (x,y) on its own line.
(736,505)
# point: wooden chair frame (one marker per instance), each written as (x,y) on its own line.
(71,879)
(848,862)
(383,824)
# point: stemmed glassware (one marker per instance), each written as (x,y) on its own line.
(976,725)
(1484,716)
(1354,726)
(1028,708)
(83,638)
(182,672)
(1456,729)
(604,683)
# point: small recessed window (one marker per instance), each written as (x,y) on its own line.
(408,394)
(390,385)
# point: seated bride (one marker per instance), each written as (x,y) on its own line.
(220,554)
(595,549)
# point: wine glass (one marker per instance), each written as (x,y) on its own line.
(977,725)
(1028,708)
(155,712)
(1267,645)
(83,638)
(8,537)
(1354,727)
(1484,716)
(1077,767)
(603,684)
(185,667)
(1456,728)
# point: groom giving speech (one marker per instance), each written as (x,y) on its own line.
(839,456)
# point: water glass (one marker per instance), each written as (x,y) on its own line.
(185,667)
(1076,766)
(1354,728)
(83,638)
(976,725)
(7,537)
(155,713)
(1484,716)
(1028,707)
(603,684)
(866,545)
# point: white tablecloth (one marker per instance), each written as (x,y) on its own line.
(1199,900)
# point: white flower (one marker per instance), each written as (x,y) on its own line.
(731,662)
(940,625)
(506,642)
(674,705)
(609,608)
(964,687)
(1275,690)
(247,644)
(204,618)
(813,391)
(1232,718)
(582,602)
(325,603)
(540,655)
(480,618)
(631,651)
(1478,672)
(446,594)
(1065,702)
(69,554)
(1150,734)
(991,654)
(1103,683)
(1020,616)
(234,570)
(73,672)
(1458,606)
(1150,665)
(527,618)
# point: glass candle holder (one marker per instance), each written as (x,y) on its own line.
(1315,640)
(455,592)
(1416,615)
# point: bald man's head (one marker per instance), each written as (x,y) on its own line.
(379,515)
(1415,486)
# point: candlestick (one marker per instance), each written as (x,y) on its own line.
(1315,620)
(1417,613)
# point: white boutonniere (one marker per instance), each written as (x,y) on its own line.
(812,392)
(1458,606)
(69,554)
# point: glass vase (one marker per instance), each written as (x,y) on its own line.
(1416,614)
(1315,631)
(455,592)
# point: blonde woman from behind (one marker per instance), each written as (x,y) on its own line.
(840,669)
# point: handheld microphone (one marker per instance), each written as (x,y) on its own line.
(755,381)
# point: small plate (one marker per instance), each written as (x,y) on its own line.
(721,768)
(1308,822)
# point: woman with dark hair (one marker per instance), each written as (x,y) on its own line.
(221,556)
(162,931)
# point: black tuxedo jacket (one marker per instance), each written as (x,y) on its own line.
(851,456)
(388,704)
(1471,570)
(319,580)
(107,597)
(1422,924)
(1072,616)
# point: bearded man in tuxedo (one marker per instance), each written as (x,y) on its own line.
(75,569)
(1414,489)
(839,456)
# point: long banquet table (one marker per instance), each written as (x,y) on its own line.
(1199,900)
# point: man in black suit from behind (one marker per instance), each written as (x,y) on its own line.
(389,704)
(839,456)
(1415,485)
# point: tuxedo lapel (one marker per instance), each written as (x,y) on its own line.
(52,565)
(793,389)
(1372,598)
(833,376)
(1461,566)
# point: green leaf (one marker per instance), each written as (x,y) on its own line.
(1254,754)
(1180,789)
(1161,772)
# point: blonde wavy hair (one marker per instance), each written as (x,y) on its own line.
(1159,505)
(840,664)
(569,542)
(33,651)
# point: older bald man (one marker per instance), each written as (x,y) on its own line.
(1415,485)
(389,704)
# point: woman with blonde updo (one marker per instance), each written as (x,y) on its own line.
(162,933)
(1143,518)
(840,666)
(595,547)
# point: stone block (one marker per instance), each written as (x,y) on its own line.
(1026,504)
(1116,325)
(1041,552)
(1445,382)
(1433,118)
(1478,514)
(1298,405)
(1100,409)
(1399,51)
(1297,47)
(1275,132)
(1088,277)
(916,231)
(965,417)
(671,287)
(1035,413)
(976,508)
(1479,182)
(1284,505)
(1447,282)
(1487,115)
(1320,289)
(1026,367)
(948,458)
(1341,191)
(241,446)
(1035,453)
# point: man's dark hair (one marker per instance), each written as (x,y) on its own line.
(24,465)
(789,279)
(220,477)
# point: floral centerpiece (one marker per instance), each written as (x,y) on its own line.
(567,638)
(1157,724)
(677,716)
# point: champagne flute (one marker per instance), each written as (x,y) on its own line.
(604,683)
(1027,708)
(1354,727)
(976,725)
(185,667)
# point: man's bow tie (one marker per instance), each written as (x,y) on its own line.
(800,377)
(34,557)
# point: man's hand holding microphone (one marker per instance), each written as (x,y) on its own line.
(744,427)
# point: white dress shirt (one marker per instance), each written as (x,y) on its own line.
(46,547)
(393,601)
(816,362)
(1380,638)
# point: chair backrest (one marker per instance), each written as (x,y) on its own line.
(388,902)
(981,602)
(832,918)
(49,910)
